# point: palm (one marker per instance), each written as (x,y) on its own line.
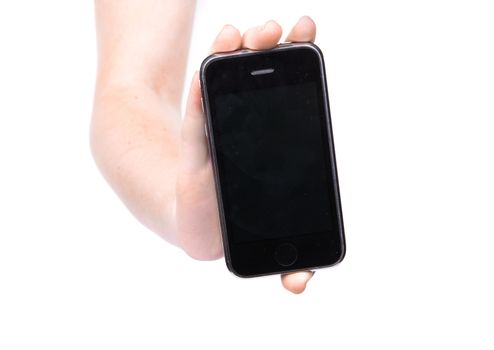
(197,214)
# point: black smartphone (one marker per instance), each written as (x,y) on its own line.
(271,144)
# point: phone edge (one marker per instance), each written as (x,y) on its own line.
(205,104)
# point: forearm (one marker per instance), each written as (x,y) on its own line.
(142,54)
(144,41)
(135,133)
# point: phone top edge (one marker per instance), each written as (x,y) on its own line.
(247,52)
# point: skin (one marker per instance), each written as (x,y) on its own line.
(155,160)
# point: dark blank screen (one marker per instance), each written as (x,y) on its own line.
(273,174)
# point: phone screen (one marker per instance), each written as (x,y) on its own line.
(270,138)
(271,146)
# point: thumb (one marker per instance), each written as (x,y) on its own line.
(297,281)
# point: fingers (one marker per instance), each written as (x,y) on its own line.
(262,37)
(297,281)
(268,35)
(303,31)
(229,39)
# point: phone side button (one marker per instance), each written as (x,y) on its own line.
(286,254)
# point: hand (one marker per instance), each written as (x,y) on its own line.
(158,164)
(196,205)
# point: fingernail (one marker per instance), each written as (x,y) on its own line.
(310,277)
(307,281)
(223,29)
(266,24)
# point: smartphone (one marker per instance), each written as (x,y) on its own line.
(271,144)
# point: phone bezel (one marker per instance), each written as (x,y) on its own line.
(267,246)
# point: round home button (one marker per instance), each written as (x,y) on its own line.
(286,254)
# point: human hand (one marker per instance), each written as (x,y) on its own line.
(196,212)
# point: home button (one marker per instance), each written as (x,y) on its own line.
(286,254)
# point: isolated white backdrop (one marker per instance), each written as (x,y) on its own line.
(412,97)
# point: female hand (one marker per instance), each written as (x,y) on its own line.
(156,162)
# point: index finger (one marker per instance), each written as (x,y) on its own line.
(262,37)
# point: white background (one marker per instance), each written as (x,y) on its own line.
(412,96)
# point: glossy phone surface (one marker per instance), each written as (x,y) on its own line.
(270,138)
